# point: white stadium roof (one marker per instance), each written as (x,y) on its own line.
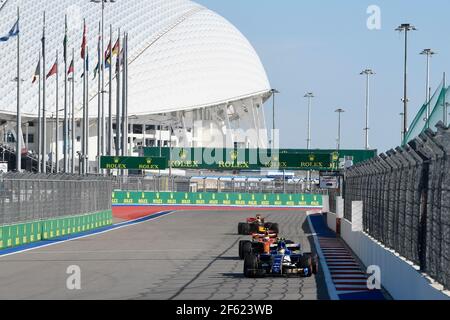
(182,56)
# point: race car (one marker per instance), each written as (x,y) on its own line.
(263,244)
(285,260)
(256,225)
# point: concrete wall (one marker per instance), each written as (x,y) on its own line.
(398,276)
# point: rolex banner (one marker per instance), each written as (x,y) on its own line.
(133,163)
(123,198)
(244,159)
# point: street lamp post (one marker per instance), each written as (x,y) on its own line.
(339,112)
(367,73)
(406,27)
(274,92)
(428,53)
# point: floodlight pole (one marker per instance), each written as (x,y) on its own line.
(405,28)
(367,73)
(339,112)
(428,53)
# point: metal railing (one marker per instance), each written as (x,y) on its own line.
(31,197)
(406,196)
(187,184)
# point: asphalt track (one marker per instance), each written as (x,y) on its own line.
(185,255)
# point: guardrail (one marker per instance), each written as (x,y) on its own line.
(406,201)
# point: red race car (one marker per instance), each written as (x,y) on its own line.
(256,225)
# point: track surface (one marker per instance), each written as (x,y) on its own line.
(185,255)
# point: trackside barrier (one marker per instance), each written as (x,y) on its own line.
(29,232)
(406,199)
(124,198)
(399,277)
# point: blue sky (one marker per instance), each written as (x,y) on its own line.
(323,45)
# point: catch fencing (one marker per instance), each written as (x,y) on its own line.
(406,196)
(28,197)
(212,184)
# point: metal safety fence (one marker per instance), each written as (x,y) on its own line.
(406,197)
(31,197)
(211,184)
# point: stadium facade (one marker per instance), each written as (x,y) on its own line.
(188,67)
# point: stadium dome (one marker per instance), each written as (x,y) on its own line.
(182,56)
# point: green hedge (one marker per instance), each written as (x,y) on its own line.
(25,233)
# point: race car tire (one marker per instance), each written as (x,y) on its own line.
(241,228)
(252,228)
(246,229)
(306,262)
(273,227)
(246,249)
(258,248)
(251,267)
(315,264)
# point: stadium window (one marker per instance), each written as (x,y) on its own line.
(30,138)
(137,129)
(31,124)
(78,139)
(78,124)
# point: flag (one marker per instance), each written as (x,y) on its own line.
(84,43)
(108,63)
(71,68)
(87,66)
(65,41)
(12,33)
(115,49)
(96,70)
(53,70)
(108,51)
(37,73)
(108,56)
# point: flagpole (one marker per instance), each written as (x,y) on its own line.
(110,119)
(39,169)
(99,100)
(65,127)
(86,141)
(124,107)
(103,78)
(57,115)
(19,115)
(73,112)
(118,123)
(44,115)
(83,140)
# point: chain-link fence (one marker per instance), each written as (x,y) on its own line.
(30,197)
(212,184)
(406,196)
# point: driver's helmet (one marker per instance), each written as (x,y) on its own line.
(281,247)
(258,218)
